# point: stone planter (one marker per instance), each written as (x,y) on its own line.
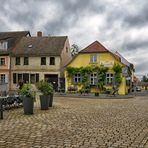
(51,100)
(44,101)
(28,105)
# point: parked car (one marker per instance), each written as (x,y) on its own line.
(138,89)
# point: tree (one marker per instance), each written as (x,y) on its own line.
(145,78)
(74,49)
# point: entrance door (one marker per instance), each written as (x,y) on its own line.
(53,79)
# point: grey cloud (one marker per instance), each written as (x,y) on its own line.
(73,12)
(137,20)
(142,66)
(69,13)
(135,45)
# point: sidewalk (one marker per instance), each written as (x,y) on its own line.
(92,96)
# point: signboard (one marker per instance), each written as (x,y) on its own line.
(124,71)
(107,63)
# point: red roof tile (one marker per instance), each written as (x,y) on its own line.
(95,47)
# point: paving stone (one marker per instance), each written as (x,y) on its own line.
(78,122)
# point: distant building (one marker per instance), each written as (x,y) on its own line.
(40,57)
(94,55)
(127,72)
(8,42)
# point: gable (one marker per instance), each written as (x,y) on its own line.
(95,47)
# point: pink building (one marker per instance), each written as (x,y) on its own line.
(8,42)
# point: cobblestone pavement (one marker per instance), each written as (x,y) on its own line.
(79,123)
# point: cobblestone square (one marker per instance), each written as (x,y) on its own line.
(79,123)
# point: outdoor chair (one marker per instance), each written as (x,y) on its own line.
(72,89)
(112,92)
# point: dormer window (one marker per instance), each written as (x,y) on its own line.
(3,45)
(30,46)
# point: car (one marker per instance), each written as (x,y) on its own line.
(138,89)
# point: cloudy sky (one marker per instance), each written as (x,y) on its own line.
(119,25)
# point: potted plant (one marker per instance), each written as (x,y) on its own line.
(46,98)
(28,100)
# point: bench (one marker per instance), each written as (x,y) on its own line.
(112,92)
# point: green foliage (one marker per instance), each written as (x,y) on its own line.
(71,71)
(101,77)
(45,87)
(144,78)
(117,68)
(26,90)
(86,71)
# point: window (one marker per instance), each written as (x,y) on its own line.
(26,61)
(25,77)
(17,61)
(20,77)
(93,79)
(93,58)
(77,78)
(14,78)
(3,45)
(52,60)
(34,78)
(43,60)
(37,77)
(2,61)
(2,78)
(109,78)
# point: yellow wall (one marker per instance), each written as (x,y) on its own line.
(82,60)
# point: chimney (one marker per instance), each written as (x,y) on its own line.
(39,34)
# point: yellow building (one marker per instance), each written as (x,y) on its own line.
(96,56)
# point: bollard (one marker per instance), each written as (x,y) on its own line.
(1,108)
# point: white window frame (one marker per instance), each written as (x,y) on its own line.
(93,79)
(77,78)
(2,61)
(3,45)
(93,58)
(2,78)
(109,78)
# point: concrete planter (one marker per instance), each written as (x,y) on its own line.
(51,100)
(44,101)
(28,105)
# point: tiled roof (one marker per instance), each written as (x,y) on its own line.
(16,36)
(95,47)
(40,46)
